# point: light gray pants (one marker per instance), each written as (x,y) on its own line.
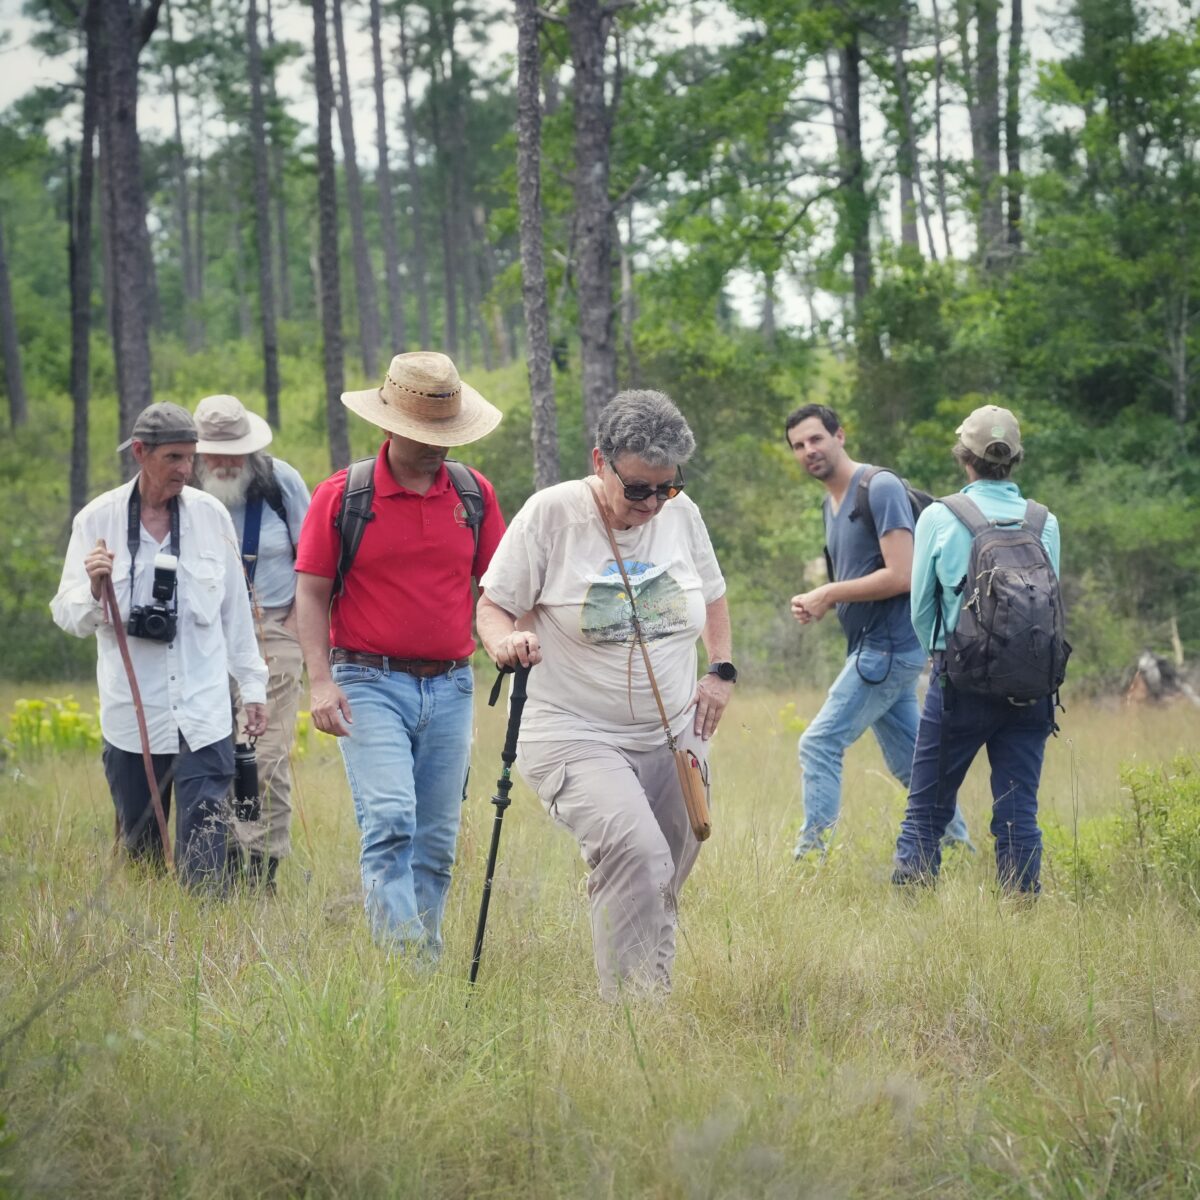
(626,810)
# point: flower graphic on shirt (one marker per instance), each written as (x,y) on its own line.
(607,614)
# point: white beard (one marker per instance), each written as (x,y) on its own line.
(230,491)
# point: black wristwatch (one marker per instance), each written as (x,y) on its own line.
(723,670)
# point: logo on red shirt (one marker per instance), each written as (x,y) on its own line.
(460,515)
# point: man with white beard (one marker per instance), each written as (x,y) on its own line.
(267,500)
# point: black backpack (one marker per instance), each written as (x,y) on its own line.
(1009,639)
(918,500)
(359,492)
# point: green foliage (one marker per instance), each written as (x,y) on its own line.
(1165,818)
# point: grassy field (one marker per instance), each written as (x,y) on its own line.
(826,1038)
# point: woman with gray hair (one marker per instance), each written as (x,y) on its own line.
(592,742)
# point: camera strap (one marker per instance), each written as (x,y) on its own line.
(135,529)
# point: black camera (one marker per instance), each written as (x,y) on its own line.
(156,622)
(246,803)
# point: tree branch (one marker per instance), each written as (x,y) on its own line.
(149,21)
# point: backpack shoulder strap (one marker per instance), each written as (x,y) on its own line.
(1035,518)
(968,512)
(862,496)
(251,523)
(353,516)
(466,484)
(273,495)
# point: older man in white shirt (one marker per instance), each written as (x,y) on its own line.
(172,555)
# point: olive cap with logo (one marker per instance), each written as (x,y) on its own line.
(160,425)
(991,433)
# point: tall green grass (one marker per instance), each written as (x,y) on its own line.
(826,1037)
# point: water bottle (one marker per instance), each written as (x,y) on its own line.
(246,805)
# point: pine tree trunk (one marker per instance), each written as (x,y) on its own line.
(14,380)
(533,264)
(857,207)
(237,246)
(330,284)
(628,298)
(200,260)
(79,217)
(368,301)
(420,263)
(383,182)
(588,22)
(191,329)
(910,173)
(128,236)
(981,81)
(262,218)
(277,171)
(493,311)
(102,203)
(445,186)
(1012,124)
(939,165)
(766,323)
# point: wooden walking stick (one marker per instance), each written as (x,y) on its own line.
(114,619)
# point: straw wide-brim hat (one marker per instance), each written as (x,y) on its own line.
(226,426)
(423,398)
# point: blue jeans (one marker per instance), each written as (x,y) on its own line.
(876,689)
(407,757)
(954,726)
(201,780)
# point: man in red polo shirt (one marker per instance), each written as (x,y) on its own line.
(388,657)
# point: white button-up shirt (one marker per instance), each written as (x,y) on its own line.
(184,684)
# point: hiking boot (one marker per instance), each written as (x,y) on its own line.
(260,873)
(904,876)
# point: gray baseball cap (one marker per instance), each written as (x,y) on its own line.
(159,424)
(991,433)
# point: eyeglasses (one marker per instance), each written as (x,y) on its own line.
(637,492)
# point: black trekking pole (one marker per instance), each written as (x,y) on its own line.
(504,784)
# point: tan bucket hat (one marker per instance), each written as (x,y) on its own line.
(226,426)
(423,398)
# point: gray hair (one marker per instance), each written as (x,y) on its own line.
(646,424)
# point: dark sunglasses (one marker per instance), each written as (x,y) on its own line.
(637,492)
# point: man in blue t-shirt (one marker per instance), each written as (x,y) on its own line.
(871,560)
(267,499)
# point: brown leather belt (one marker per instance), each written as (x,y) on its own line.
(424,668)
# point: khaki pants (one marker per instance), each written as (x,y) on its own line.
(270,834)
(626,810)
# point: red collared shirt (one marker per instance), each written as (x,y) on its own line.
(408,594)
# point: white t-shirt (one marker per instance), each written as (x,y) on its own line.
(554,570)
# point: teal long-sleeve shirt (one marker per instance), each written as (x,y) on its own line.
(942,545)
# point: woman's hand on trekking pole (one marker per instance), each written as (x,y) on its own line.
(517,649)
(99,565)
(330,709)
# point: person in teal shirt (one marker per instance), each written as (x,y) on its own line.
(955,724)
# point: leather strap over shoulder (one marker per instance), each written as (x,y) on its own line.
(637,624)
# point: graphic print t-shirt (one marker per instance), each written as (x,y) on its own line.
(554,568)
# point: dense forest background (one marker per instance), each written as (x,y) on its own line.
(905,210)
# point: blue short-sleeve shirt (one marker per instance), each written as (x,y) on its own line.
(854,548)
